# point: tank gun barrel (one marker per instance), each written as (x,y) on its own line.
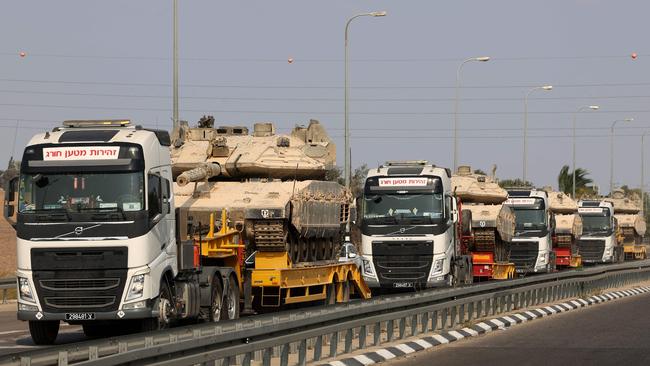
(204,171)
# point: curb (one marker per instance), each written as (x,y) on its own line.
(483,327)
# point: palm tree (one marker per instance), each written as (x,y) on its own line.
(565,180)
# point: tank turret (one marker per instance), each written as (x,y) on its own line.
(230,152)
(627,210)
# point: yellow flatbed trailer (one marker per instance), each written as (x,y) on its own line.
(274,279)
(634,251)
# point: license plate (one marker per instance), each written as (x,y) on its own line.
(79,316)
(403,284)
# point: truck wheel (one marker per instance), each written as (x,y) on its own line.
(164,311)
(232,301)
(216,307)
(469,274)
(93,330)
(455,275)
(45,332)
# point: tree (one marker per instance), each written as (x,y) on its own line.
(565,182)
(517,182)
(479,171)
(335,174)
(358,179)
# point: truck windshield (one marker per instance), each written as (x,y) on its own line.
(595,224)
(390,208)
(529,218)
(81,192)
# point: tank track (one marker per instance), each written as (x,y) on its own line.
(274,236)
(486,240)
(270,235)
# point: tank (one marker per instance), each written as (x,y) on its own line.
(568,224)
(270,186)
(492,223)
(627,211)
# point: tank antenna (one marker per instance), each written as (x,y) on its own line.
(295,176)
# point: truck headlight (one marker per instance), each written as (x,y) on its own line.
(25,289)
(367,268)
(136,287)
(437,266)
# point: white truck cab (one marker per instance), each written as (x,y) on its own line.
(599,243)
(531,249)
(408,220)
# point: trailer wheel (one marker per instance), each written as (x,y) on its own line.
(45,332)
(232,301)
(216,307)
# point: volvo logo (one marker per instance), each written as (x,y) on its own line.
(78,230)
(402,230)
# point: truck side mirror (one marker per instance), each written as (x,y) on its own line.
(11,201)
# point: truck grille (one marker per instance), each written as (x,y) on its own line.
(591,250)
(80,284)
(402,268)
(524,254)
(80,278)
(80,302)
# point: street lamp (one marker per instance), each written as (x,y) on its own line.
(611,153)
(346,116)
(175,69)
(460,67)
(642,174)
(544,87)
(575,115)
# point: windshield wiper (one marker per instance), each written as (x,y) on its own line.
(50,213)
(104,212)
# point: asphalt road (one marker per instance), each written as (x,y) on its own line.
(14,334)
(614,333)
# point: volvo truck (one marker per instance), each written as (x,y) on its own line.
(409,223)
(531,249)
(107,240)
(600,242)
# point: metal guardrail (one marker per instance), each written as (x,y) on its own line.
(303,335)
(5,285)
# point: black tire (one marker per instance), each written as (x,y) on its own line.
(466,223)
(93,330)
(45,332)
(455,274)
(231,301)
(163,320)
(216,301)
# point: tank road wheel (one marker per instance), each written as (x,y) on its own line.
(313,246)
(45,332)
(293,248)
(216,307)
(231,303)
(304,250)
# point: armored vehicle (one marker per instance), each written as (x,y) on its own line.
(630,221)
(271,186)
(567,229)
(488,225)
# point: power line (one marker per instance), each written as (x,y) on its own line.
(312,113)
(358,86)
(316,60)
(316,99)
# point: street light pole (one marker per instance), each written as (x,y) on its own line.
(611,153)
(642,175)
(175,67)
(456,101)
(593,108)
(346,114)
(525,157)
